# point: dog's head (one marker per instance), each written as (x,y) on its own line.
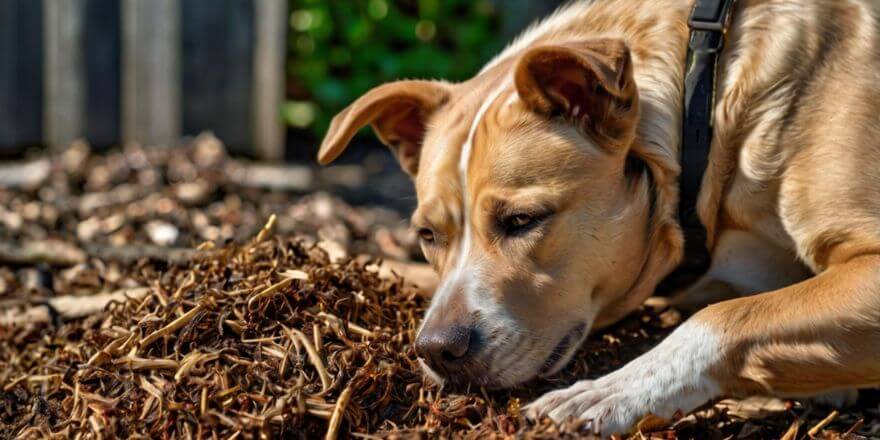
(537,205)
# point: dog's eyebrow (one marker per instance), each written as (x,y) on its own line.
(528,198)
(509,207)
(417,220)
(422,218)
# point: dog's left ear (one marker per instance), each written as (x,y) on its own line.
(398,113)
(590,82)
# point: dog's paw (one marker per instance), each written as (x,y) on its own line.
(602,406)
(672,377)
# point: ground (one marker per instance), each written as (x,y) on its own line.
(225,320)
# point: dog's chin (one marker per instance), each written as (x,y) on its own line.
(564,351)
(430,374)
(472,375)
(527,365)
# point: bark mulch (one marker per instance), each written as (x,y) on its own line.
(264,333)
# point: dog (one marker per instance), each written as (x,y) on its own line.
(547,191)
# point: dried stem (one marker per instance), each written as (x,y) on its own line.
(354,328)
(267,229)
(269,291)
(313,357)
(338,413)
(822,424)
(172,327)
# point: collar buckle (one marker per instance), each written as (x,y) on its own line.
(710,15)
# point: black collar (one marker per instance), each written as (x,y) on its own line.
(708,22)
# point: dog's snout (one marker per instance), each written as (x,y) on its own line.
(445,348)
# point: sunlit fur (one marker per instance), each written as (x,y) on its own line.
(790,201)
(598,256)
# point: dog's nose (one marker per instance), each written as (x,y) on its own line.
(445,348)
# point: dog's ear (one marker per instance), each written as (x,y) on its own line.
(397,111)
(589,82)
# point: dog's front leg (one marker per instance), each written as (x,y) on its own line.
(813,337)
(675,375)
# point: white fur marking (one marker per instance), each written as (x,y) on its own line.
(459,274)
(512,99)
(464,162)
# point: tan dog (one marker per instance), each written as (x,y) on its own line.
(547,190)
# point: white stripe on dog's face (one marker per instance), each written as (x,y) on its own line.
(466,271)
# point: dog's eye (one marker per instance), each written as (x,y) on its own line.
(518,223)
(520,220)
(426,235)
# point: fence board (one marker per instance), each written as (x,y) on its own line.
(202,64)
(151,71)
(217,42)
(64,72)
(102,45)
(8,37)
(21,74)
(240,28)
(268,128)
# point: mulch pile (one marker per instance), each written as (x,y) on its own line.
(266,336)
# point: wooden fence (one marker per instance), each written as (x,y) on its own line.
(145,71)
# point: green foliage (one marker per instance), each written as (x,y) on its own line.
(339,49)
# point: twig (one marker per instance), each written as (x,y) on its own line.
(190,281)
(148,406)
(283,366)
(855,427)
(821,425)
(131,254)
(150,388)
(203,402)
(269,291)
(318,337)
(191,361)
(420,275)
(93,397)
(14,175)
(267,229)
(139,363)
(172,327)
(53,252)
(791,434)
(313,357)
(338,413)
(295,274)
(69,307)
(354,328)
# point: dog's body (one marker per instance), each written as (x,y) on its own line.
(547,193)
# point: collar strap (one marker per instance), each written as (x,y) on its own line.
(708,22)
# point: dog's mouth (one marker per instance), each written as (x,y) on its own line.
(562,350)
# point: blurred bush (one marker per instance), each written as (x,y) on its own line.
(340,49)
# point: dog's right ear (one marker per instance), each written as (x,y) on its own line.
(397,111)
(590,82)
